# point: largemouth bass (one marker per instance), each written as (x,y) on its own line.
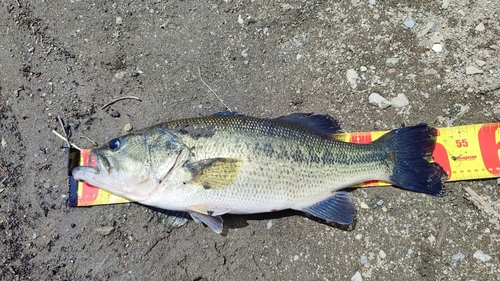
(228,163)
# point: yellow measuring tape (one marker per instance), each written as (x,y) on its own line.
(465,153)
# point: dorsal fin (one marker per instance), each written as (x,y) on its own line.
(226,113)
(322,124)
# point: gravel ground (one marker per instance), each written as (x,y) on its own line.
(433,61)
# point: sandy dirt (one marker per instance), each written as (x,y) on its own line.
(69,58)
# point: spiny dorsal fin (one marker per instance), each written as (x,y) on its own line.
(214,173)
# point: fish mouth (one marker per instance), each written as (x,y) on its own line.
(100,163)
(96,165)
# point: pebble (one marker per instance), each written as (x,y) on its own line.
(372,2)
(269,224)
(127,127)
(410,23)
(105,230)
(429,28)
(400,101)
(437,48)
(240,19)
(445,4)
(352,77)
(392,60)
(458,256)
(480,63)
(471,70)
(382,254)
(380,202)
(482,256)
(480,27)
(378,100)
(115,114)
(363,68)
(119,20)
(357,277)
(363,205)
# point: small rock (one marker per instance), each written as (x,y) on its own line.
(115,114)
(372,2)
(380,202)
(400,101)
(410,23)
(482,256)
(352,77)
(127,127)
(363,205)
(363,68)
(429,28)
(269,224)
(445,4)
(357,277)
(471,70)
(4,143)
(458,256)
(240,19)
(105,230)
(431,238)
(119,20)
(378,100)
(382,254)
(480,63)
(437,48)
(120,74)
(480,27)
(392,60)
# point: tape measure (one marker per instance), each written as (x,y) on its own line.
(465,153)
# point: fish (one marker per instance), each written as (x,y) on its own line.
(229,163)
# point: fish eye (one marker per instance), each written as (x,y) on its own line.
(114,144)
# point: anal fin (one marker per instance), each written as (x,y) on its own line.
(339,208)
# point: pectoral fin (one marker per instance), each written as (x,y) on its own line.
(214,222)
(214,173)
(339,208)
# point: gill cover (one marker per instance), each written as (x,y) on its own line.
(134,165)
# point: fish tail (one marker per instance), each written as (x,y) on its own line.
(410,150)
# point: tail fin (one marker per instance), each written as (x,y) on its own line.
(410,149)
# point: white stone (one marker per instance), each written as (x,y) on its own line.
(119,20)
(363,205)
(382,254)
(378,100)
(352,77)
(445,4)
(480,27)
(357,277)
(471,70)
(240,19)
(437,48)
(480,63)
(400,101)
(458,256)
(391,60)
(482,256)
